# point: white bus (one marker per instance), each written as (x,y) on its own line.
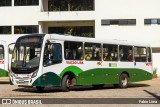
(3,59)
(43,60)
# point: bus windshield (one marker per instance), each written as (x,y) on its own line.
(26,53)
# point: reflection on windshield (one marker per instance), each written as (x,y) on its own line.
(26,55)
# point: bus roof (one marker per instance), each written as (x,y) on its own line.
(85,39)
(3,42)
(95,40)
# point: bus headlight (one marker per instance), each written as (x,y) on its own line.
(12,74)
(34,73)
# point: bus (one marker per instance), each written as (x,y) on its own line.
(5,56)
(3,59)
(43,60)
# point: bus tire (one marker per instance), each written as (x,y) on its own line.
(40,89)
(123,81)
(66,83)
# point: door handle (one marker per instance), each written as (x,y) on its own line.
(134,63)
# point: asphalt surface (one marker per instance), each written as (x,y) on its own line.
(140,90)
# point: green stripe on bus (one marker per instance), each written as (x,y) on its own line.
(93,76)
(74,69)
(3,73)
(106,75)
(48,79)
(111,76)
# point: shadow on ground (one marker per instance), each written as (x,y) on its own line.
(152,94)
(4,82)
(76,88)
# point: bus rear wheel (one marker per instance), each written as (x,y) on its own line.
(66,82)
(123,81)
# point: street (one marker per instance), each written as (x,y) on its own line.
(145,89)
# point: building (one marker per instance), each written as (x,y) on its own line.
(134,20)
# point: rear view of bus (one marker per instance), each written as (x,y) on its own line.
(25,60)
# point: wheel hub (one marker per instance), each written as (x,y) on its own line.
(124,81)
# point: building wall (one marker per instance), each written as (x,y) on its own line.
(104,9)
(130,9)
(19,15)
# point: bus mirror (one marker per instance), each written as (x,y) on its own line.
(10,51)
(11,48)
(48,42)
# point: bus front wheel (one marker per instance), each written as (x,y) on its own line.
(66,82)
(123,81)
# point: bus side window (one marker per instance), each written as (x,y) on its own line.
(73,50)
(140,54)
(93,51)
(56,53)
(52,54)
(46,54)
(126,53)
(110,52)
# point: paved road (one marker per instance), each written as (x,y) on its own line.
(145,89)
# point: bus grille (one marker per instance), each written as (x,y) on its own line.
(22,82)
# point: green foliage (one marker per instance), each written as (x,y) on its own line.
(154,71)
(70,5)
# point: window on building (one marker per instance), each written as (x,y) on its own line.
(151,21)
(73,50)
(5,2)
(110,52)
(82,31)
(140,54)
(26,29)
(105,22)
(5,30)
(114,22)
(1,52)
(147,21)
(126,53)
(158,21)
(93,51)
(26,2)
(155,50)
(118,22)
(70,5)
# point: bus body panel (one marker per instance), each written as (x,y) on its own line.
(93,76)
